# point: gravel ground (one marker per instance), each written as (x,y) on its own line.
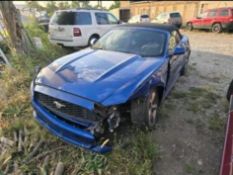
(191,129)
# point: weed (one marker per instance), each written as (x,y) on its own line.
(189,168)
(216,123)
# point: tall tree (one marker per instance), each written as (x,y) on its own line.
(85,4)
(19,41)
(51,7)
(35,5)
(115,5)
(63,5)
(75,4)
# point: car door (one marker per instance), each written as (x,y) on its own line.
(198,22)
(224,15)
(105,22)
(208,21)
(174,60)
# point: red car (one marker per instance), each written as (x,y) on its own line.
(216,20)
(227,156)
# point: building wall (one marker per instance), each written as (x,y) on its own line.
(188,9)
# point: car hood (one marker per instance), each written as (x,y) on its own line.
(101,76)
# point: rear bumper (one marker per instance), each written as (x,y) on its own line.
(67,132)
(227,161)
(75,42)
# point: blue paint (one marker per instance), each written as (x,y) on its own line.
(107,78)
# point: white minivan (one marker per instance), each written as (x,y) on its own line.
(79,27)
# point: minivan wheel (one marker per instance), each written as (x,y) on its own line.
(92,40)
(216,28)
(190,26)
(144,112)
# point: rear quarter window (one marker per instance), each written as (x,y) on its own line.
(63,18)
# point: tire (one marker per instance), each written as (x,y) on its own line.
(230,91)
(92,40)
(216,28)
(190,26)
(144,112)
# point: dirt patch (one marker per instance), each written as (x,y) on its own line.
(190,132)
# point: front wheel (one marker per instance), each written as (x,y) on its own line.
(190,26)
(144,112)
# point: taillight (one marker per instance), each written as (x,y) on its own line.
(77,31)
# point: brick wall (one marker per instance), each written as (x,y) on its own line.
(188,9)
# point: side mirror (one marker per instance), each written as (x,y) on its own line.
(179,51)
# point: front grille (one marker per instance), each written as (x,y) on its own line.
(67,109)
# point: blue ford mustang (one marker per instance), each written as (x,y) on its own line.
(128,72)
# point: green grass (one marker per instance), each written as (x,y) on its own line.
(16,114)
(189,169)
(216,123)
(200,98)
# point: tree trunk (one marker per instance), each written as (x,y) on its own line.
(18,39)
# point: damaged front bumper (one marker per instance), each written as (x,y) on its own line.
(80,137)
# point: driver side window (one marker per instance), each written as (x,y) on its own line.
(172,43)
(174,40)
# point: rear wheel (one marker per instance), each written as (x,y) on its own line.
(92,40)
(144,112)
(190,26)
(216,28)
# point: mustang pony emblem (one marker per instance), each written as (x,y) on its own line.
(58,105)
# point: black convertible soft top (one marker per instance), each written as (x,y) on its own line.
(166,27)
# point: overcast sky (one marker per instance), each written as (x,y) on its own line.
(105,3)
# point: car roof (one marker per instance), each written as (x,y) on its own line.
(220,8)
(82,9)
(166,27)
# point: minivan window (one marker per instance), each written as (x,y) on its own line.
(112,19)
(174,15)
(105,18)
(71,18)
(224,12)
(83,18)
(101,18)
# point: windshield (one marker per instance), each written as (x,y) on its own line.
(144,16)
(174,15)
(144,42)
